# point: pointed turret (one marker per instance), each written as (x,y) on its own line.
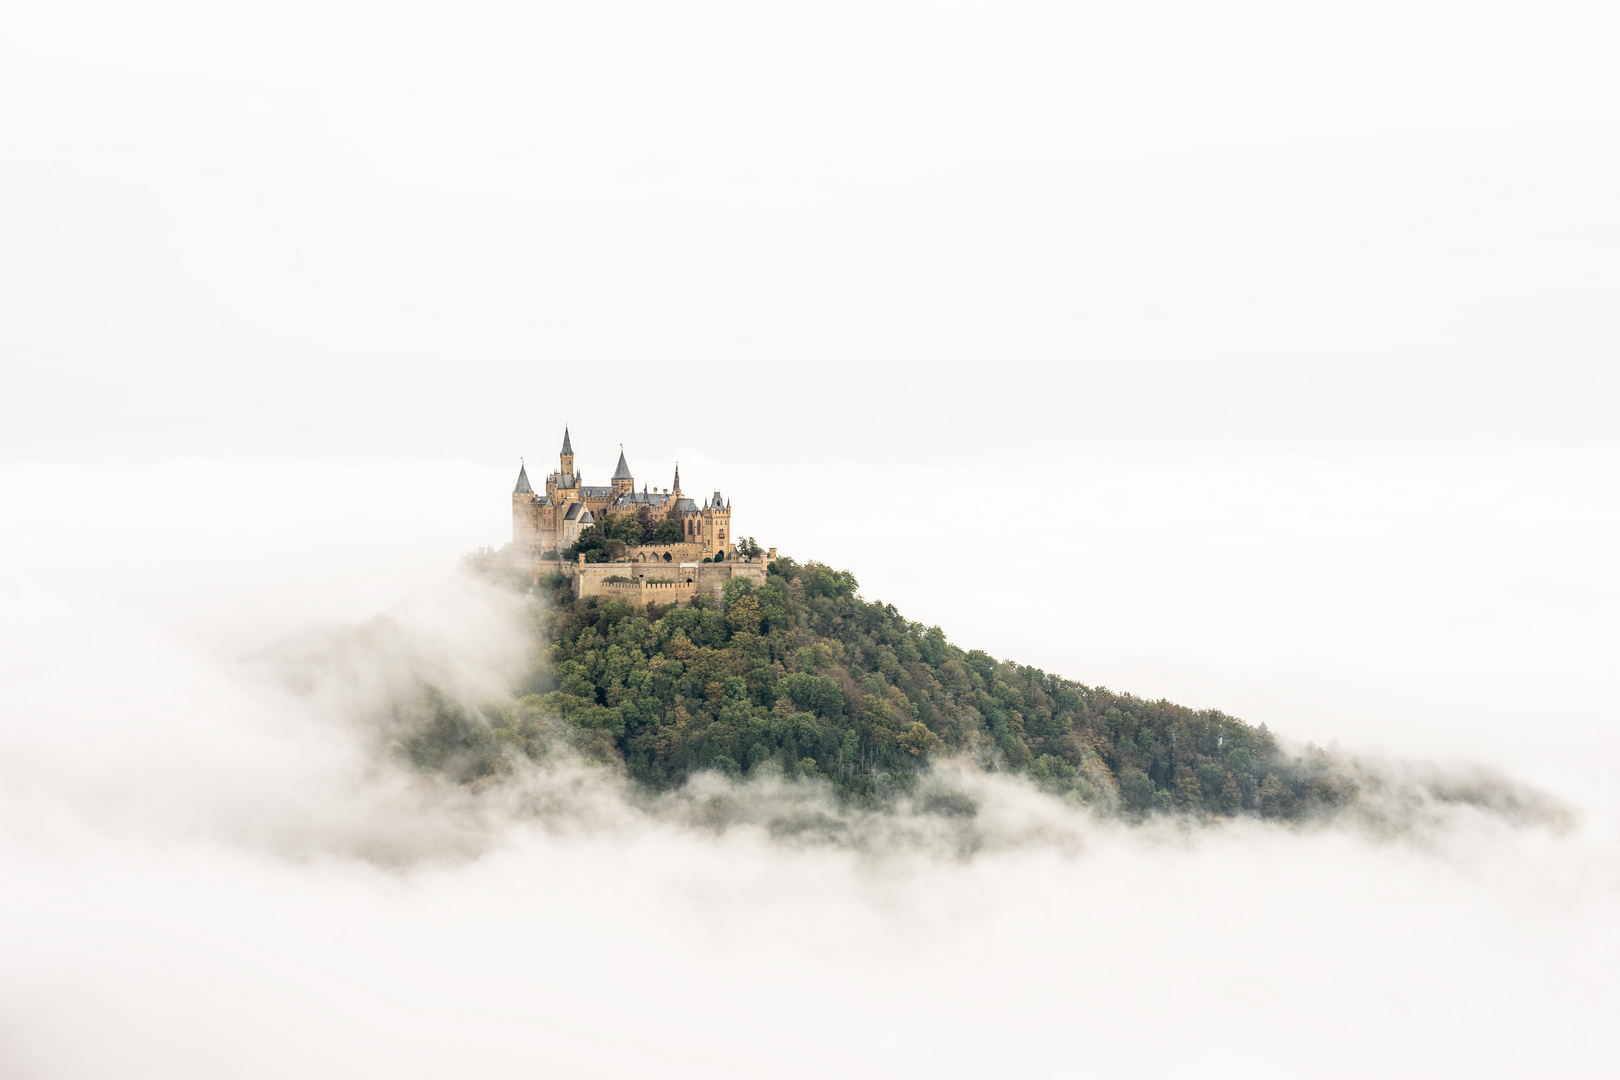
(566,460)
(622,483)
(675,492)
(525,513)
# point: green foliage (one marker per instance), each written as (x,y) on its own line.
(607,538)
(668,530)
(802,676)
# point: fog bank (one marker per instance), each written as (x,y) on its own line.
(211,866)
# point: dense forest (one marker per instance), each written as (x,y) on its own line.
(804,677)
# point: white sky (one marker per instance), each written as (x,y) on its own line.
(1258,355)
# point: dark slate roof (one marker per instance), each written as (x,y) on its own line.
(595,492)
(638,498)
(574,511)
(523,487)
(623,471)
(717,498)
(568,447)
(685,506)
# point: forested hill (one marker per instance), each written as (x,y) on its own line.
(805,677)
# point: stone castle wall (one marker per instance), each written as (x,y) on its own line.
(651,553)
(684,580)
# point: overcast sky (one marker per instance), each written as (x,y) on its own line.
(1282,336)
(914,233)
(1259,355)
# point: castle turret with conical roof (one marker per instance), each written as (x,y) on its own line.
(525,519)
(567,456)
(623,483)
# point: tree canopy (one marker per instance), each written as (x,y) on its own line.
(804,676)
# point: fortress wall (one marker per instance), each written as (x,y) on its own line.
(712,577)
(707,579)
(679,553)
(649,592)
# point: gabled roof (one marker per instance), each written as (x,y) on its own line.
(568,447)
(623,471)
(594,492)
(523,487)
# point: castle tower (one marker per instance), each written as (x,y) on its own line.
(623,483)
(714,529)
(525,530)
(675,492)
(567,456)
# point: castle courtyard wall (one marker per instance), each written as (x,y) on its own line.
(685,579)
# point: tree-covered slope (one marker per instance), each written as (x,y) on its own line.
(805,677)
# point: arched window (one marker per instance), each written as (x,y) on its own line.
(666,556)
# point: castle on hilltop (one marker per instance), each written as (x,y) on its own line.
(685,549)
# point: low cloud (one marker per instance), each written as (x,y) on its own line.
(216,867)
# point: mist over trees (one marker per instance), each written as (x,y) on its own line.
(805,678)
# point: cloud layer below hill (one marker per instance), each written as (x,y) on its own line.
(206,868)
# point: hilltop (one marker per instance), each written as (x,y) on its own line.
(804,677)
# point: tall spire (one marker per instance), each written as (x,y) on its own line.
(566,475)
(623,471)
(523,487)
(676,491)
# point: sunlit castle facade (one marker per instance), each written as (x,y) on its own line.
(552,520)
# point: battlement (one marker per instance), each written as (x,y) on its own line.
(641,592)
(649,582)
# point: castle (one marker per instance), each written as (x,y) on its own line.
(694,550)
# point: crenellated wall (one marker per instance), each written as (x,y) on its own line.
(640,591)
(688,579)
